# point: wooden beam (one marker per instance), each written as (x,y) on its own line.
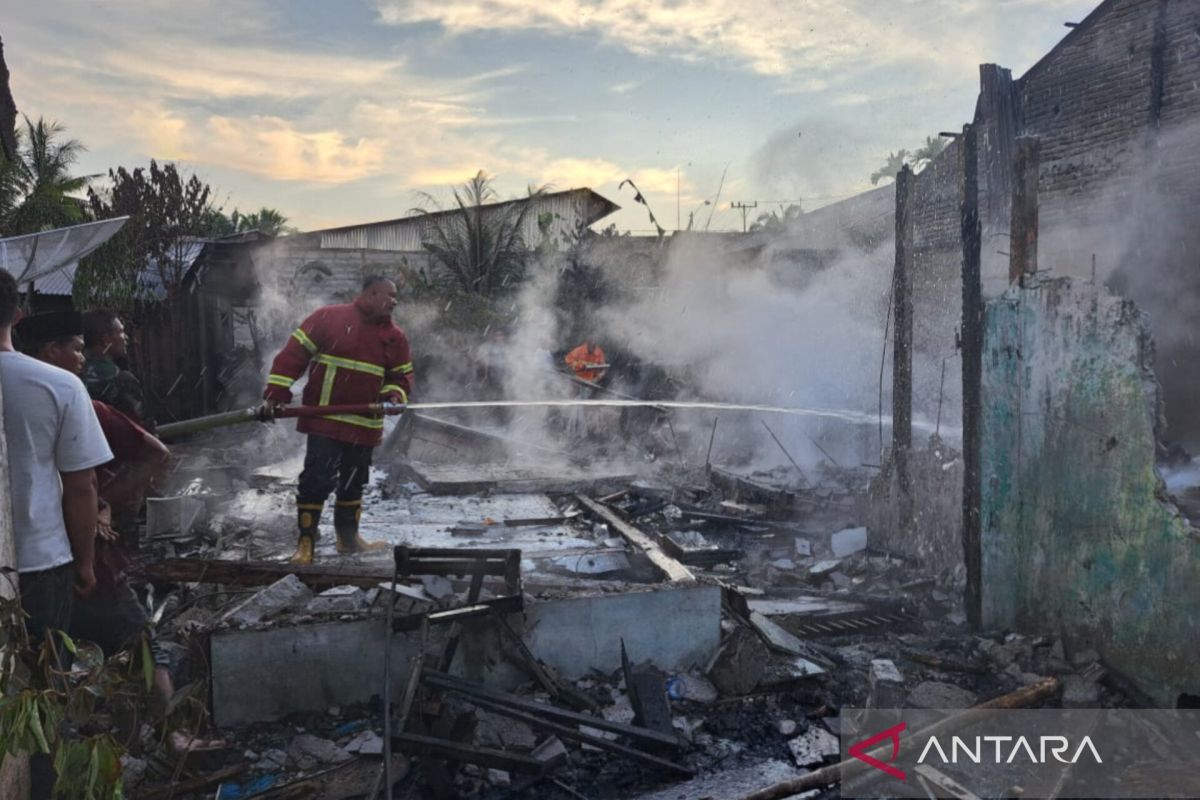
(902,359)
(671,569)
(561,715)
(262,573)
(1023,235)
(972,373)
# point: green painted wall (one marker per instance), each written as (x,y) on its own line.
(1078,538)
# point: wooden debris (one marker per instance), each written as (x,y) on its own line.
(647,689)
(498,698)
(671,569)
(264,573)
(447,750)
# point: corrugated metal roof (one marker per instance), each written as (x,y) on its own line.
(406,234)
(34,255)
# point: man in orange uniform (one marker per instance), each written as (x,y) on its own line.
(354,354)
(587,361)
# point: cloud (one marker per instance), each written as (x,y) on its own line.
(625,87)
(764,36)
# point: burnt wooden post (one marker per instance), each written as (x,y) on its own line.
(1023,235)
(902,344)
(972,371)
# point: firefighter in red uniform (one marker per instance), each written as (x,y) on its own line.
(354,354)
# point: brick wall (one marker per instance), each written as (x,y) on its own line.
(1116,107)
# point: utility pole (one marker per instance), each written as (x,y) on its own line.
(744,207)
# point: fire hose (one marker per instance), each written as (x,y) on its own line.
(267,413)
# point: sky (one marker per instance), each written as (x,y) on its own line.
(353,111)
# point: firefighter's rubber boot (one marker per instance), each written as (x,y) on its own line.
(346,515)
(308,518)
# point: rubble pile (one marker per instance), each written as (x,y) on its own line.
(809,619)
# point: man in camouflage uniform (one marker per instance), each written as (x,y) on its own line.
(107,380)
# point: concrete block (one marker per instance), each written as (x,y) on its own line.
(886,685)
(285,593)
(849,541)
(814,746)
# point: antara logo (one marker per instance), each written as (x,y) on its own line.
(1057,745)
(1004,750)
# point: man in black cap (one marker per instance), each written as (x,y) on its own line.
(113,614)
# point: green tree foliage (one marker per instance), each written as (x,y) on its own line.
(777,221)
(927,152)
(166,214)
(38,191)
(266,221)
(918,159)
(895,162)
(479,240)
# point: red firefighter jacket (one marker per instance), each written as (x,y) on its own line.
(350,359)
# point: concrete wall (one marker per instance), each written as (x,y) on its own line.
(1077,539)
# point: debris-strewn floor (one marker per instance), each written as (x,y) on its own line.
(813,621)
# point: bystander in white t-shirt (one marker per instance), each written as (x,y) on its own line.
(50,427)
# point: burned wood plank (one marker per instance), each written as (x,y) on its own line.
(458,480)
(744,489)
(671,569)
(452,684)
(647,689)
(447,750)
(263,573)
(568,732)
(972,374)
(560,690)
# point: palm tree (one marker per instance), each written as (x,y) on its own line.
(927,152)
(39,187)
(895,163)
(480,241)
(266,221)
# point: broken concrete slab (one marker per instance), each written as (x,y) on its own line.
(824,567)
(849,541)
(812,747)
(935,694)
(886,685)
(1079,692)
(286,593)
(740,663)
(367,743)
